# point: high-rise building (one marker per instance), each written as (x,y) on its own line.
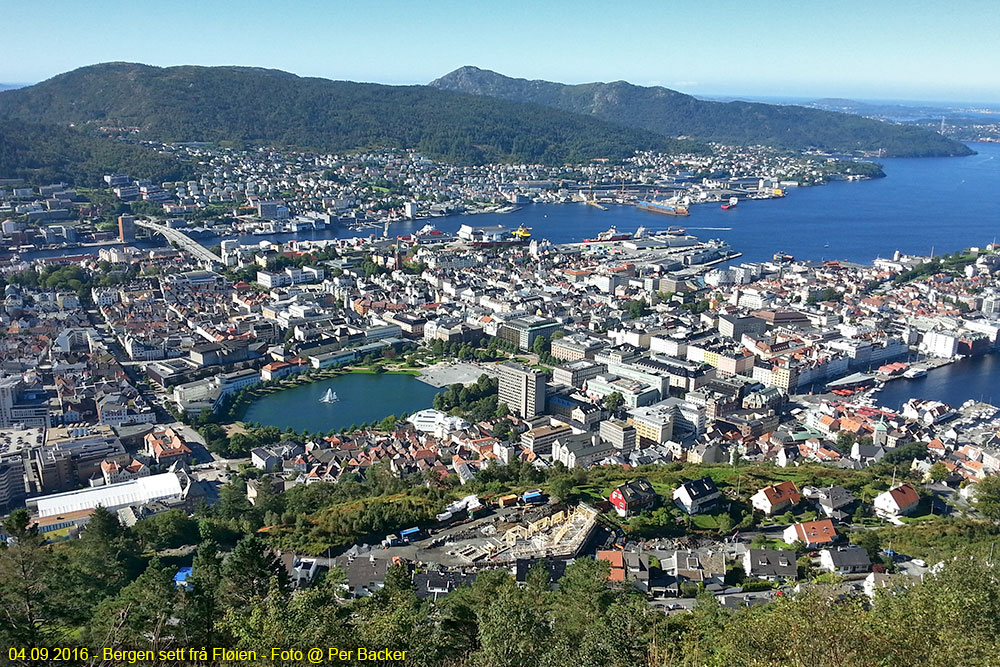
(126,228)
(12,490)
(522,389)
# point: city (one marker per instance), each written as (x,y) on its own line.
(498,371)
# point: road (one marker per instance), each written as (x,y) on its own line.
(200,252)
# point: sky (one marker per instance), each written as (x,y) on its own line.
(874,49)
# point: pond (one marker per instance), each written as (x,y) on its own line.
(361,398)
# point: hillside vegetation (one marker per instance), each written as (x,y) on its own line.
(258,106)
(673,114)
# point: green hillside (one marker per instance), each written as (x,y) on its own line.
(673,114)
(258,106)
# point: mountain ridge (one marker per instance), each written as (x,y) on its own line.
(273,107)
(672,113)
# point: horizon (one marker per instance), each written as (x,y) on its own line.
(854,50)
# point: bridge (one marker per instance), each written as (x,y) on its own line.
(198,251)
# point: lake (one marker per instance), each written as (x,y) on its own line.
(363,398)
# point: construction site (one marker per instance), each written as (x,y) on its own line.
(508,535)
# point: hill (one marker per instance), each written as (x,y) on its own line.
(673,114)
(258,106)
(47,153)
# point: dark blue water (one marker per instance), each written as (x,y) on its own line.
(363,398)
(977,378)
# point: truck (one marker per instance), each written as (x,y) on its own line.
(409,535)
(533,497)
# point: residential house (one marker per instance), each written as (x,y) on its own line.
(697,495)
(812,534)
(776,498)
(845,560)
(900,501)
(633,497)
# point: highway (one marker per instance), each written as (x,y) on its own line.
(200,252)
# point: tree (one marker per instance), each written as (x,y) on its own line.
(502,429)
(636,308)
(614,401)
(249,570)
(31,612)
(938,472)
(138,617)
(987,497)
(561,487)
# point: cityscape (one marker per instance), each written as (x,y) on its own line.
(570,391)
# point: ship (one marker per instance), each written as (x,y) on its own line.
(666,206)
(640,233)
(610,235)
(676,231)
(522,233)
(733,201)
(782,257)
(914,373)
(329,397)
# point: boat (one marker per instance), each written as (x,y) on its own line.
(329,397)
(610,235)
(522,233)
(782,257)
(667,207)
(640,233)
(733,201)
(914,373)
(676,231)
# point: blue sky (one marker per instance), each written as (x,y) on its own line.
(903,49)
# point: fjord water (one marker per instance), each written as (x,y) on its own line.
(363,398)
(923,205)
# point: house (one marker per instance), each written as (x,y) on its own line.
(364,574)
(693,568)
(302,571)
(832,501)
(878,581)
(845,560)
(900,501)
(166,446)
(811,534)
(776,498)
(436,585)
(697,495)
(633,497)
(627,566)
(770,564)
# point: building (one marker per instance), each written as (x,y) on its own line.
(632,497)
(620,434)
(126,228)
(576,373)
(900,501)
(539,440)
(845,560)
(168,486)
(770,564)
(522,389)
(734,326)
(115,473)
(697,495)
(12,488)
(583,450)
(812,534)
(523,331)
(166,446)
(776,498)
(654,424)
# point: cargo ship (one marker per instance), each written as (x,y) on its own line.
(667,207)
(783,257)
(733,201)
(676,231)
(610,235)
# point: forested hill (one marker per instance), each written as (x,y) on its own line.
(258,106)
(48,153)
(673,114)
